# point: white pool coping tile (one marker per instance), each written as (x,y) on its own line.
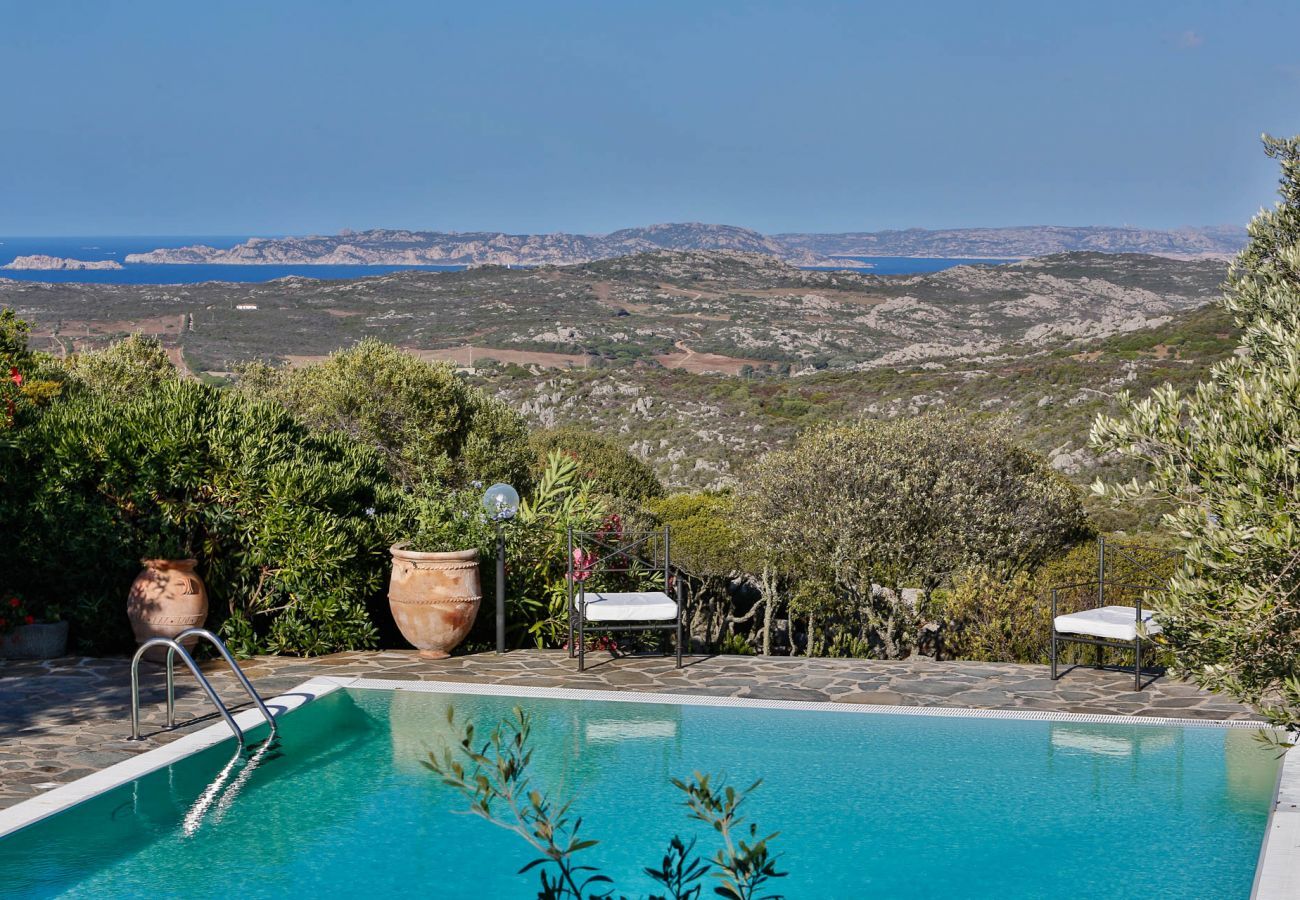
(1277,872)
(1277,876)
(620,696)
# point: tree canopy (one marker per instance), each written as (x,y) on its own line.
(430,425)
(1229,454)
(905,503)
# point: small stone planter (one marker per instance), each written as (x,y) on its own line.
(44,640)
(434,598)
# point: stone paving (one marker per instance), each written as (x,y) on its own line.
(62,719)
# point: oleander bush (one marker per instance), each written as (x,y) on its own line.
(288,525)
(537,551)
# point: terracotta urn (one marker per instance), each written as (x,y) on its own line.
(434,598)
(166,598)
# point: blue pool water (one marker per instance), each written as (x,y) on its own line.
(867,806)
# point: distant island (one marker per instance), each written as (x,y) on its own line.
(1022,242)
(422,248)
(40,261)
(385,247)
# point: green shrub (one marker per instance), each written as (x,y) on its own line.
(708,547)
(603,462)
(132,364)
(989,618)
(538,554)
(429,424)
(442,521)
(1140,560)
(904,503)
(287,525)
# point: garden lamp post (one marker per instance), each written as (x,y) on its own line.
(501,502)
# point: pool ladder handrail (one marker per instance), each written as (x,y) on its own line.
(174,647)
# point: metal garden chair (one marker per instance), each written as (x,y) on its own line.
(622,559)
(1103,625)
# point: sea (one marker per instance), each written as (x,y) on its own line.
(95,249)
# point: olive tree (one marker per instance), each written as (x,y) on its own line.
(870,507)
(1229,454)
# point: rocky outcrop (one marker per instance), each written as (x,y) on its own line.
(39,261)
(1221,241)
(422,248)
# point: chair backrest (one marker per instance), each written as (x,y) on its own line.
(618,552)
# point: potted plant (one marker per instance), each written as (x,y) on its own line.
(168,596)
(435,589)
(29,632)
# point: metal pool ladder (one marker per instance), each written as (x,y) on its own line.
(174,647)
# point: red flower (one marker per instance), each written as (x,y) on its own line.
(30,620)
(14,601)
(15,376)
(583,563)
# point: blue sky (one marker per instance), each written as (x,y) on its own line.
(287,117)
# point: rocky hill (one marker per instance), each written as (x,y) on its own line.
(397,247)
(717,311)
(388,247)
(705,312)
(700,361)
(1026,241)
(700,431)
(42,262)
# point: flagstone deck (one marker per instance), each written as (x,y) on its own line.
(62,719)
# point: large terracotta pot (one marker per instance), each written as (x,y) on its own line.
(434,598)
(166,598)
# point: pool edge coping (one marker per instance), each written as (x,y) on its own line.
(1277,872)
(438,686)
(56,800)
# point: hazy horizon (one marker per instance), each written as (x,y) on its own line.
(244,235)
(584,117)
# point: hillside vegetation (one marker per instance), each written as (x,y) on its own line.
(700,361)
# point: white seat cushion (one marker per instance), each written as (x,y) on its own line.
(1114,623)
(650,606)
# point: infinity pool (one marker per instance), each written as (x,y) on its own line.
(867,804)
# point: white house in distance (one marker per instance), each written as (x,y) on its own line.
(245,306)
